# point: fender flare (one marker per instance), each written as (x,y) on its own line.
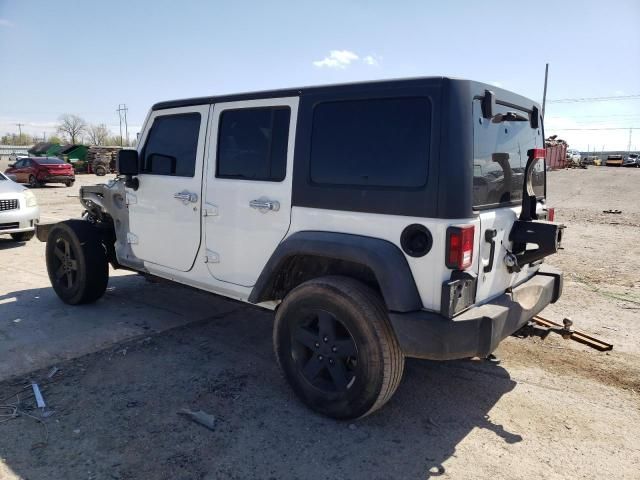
(385,259)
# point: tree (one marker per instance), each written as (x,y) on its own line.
(54,139)
(98,134)
(72,127)
(116,140)
(13,139)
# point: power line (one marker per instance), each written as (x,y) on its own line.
(595,99)
(606,128)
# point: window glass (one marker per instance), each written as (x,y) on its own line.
(371,143)
(500,157)
(252,143)
(50,161)
(172,145)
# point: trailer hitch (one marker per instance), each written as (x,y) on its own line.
(542,327)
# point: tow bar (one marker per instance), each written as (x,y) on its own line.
(541,327)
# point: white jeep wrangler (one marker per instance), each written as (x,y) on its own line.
(378,220)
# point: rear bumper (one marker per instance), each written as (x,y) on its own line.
(57,178)
(479,330)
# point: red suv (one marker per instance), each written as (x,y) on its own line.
(36,171)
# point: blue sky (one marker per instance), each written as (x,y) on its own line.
(86,57)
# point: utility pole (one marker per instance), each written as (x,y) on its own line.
(122,113)
(544,94)
(19,125)
(629,146)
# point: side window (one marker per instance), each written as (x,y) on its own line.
(252,143)
(172,145)
(371,143)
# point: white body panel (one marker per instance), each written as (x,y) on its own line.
(428,272)
(166,231)
(495,282)
(239,238)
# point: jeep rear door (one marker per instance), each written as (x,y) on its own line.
(500,155)
(248,185)
(164,213)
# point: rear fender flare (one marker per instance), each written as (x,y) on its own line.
(386,261)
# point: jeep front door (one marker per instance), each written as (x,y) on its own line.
(164,213)
(248,185)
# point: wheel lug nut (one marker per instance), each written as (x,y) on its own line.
(320,357)
(334,349)
(317,345)
(331,361)
(326,339)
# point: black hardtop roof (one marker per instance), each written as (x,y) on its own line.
(474,87)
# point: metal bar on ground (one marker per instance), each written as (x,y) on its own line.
(575,335)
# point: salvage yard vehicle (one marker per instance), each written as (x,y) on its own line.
(38,171)
(614,161)
(631,160)
(380,220)
(18,210)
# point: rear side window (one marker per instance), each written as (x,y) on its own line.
(50,161)
(172,145)
(252,144)
(371,143)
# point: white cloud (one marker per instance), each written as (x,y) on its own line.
(341,59)
(371,60)
(5,23)
(337,59)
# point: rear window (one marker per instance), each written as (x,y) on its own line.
(371,143)
(500,157)
(252,144)
(49,161)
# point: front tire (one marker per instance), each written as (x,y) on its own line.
(23,236)
(77,262)
(33,182)
(100,171)
(335,346)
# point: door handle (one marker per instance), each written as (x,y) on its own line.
(186,197)
(489,236)
(265,205)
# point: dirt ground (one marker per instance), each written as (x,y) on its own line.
(552,409)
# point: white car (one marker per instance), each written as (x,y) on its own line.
(573,155)
(19,210)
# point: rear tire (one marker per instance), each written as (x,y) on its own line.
(69,183)
(77,262)
(23,236)
(33,182)
(100,171)
(335,346)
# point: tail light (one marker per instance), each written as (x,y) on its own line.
(537,152)
(459,254)
(551,214)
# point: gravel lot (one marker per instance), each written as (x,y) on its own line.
(128,364)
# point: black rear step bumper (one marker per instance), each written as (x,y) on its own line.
(479,330)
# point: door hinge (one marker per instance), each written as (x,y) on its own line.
(131,199)
(210,210)
(132,238)
(211,257)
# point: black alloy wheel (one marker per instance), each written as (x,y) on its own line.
(64,263)
(325,352)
